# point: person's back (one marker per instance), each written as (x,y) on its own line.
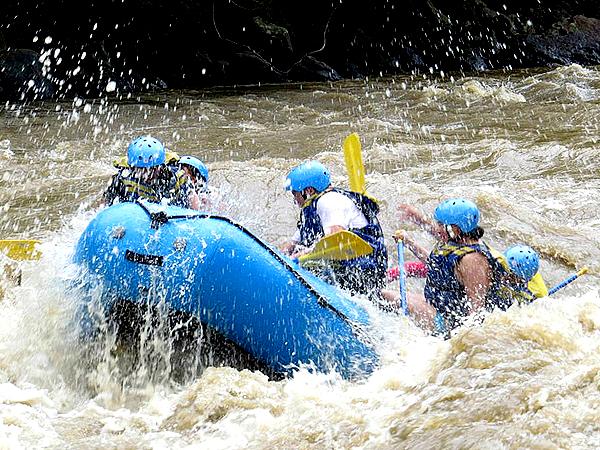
(326,210)
(148,177)
(129,185)
(461,278)
(358,214)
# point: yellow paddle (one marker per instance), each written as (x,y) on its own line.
(354,163)
(340,246)
(20,249)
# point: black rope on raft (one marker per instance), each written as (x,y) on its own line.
(160,218)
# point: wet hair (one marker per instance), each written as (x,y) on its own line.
(475,233)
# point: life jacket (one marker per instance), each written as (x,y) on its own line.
(514,292)
(311,229)
(445,292)
(172,187)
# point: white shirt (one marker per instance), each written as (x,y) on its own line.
(334,209)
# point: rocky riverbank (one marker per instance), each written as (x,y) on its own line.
(55,48)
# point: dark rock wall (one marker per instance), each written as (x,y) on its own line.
(131,45)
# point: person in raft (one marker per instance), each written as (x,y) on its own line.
(464,275)
(515,264)
(325,210)
(521,280)
(197,173)
(149,176)
(461,277)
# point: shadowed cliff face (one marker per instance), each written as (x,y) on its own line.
(87,48)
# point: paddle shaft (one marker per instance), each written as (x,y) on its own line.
(567,281)
(402,277)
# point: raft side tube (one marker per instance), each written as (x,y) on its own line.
(216,270)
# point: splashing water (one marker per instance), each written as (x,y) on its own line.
(522,145)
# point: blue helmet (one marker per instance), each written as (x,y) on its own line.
(458,211)
(309,174)
(194,162)
(146,151)
(523,261)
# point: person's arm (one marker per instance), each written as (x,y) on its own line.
(185,195)
(292,246)
(194,200)
(110,193)
(288,247)
(408,213)
(415,248)
(475,274)
(205,202)
(334,229)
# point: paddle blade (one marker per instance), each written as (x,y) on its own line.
(340,246)
(537,286)
(354,163)
(20,249)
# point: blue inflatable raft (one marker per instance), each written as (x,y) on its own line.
(216,271)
